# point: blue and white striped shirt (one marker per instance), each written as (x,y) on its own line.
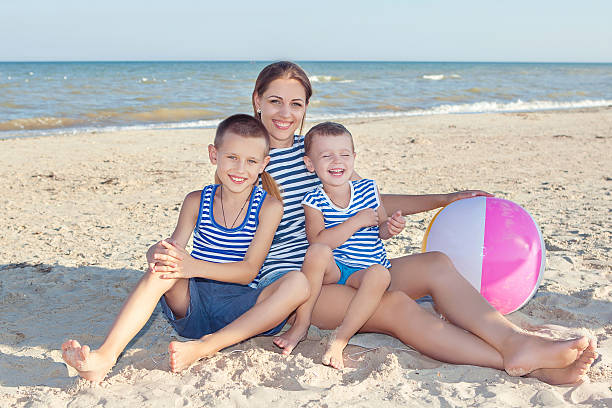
(364,248)
(213,242)
(290,244)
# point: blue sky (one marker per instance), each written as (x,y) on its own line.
(419,30)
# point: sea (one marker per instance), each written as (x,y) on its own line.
(44,98)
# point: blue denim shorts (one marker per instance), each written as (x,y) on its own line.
(345,272)
(212,306)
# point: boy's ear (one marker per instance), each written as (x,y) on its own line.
(212,154)
(309,164)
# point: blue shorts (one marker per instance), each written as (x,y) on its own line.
(212,306)
(345,272)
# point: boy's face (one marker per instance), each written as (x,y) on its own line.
(239,160)
(332,158)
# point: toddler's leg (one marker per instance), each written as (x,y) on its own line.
(137,309)
(371,284)
(319,268)
(433,273)
(273,305)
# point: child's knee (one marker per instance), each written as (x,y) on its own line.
(378,276)
(298,285)
(320,252)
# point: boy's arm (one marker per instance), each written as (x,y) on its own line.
(413,204)
(338,235)
(241,272)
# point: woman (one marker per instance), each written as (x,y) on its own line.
(474,332)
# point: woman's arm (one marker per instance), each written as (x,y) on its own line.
(413,204)
(241,272)
(338,235)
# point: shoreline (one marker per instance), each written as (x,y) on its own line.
(81,209)
(196,125)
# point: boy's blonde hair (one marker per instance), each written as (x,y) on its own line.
(325,129)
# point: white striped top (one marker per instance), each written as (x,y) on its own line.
(289,245)
(213,242)
(364,248)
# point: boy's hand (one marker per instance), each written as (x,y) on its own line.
(367,217)
(176,263)
(460,195)
(396,223)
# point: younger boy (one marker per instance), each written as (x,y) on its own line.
(348,216)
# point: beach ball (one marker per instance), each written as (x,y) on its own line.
(495,244)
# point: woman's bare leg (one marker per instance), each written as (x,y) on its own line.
(93,365)
(433,273)
(400,317)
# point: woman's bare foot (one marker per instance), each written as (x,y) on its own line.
(184,354)
(91,365)
(523,353)
(570,374)
(333,355)
(288,340)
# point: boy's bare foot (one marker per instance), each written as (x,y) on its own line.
(184,354)
(91,365)
(289,339)
(333,355)
(524,353)
(570,374)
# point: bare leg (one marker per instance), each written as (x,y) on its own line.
(433,273)
(399,316)
(137,309)
(319,268)
(371,284)
(274,304)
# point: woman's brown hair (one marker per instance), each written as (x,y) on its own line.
(248,126)
(284,70)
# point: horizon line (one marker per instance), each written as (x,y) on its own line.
(302,61)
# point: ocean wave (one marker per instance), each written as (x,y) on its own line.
(439,77)
(38,123)
(477,107)
(328,78)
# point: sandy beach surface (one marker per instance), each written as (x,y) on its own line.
(79,211)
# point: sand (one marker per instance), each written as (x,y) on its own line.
(80,210)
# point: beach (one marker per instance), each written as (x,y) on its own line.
(81,209)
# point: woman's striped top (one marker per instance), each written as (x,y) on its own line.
(213,242)
(364,248)
(289,245)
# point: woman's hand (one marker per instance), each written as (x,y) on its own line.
(460,195)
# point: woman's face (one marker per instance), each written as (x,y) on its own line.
(283,106)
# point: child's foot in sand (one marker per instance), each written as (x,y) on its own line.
(524,353)
(289,339)
(570,374)
(184,354)
(333,355)
(91,365)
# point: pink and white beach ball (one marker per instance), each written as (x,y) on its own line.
(495,244)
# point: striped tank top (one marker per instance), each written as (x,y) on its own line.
(213,242)
(364,248)
(289,245)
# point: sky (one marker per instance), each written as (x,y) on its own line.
(376,30)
